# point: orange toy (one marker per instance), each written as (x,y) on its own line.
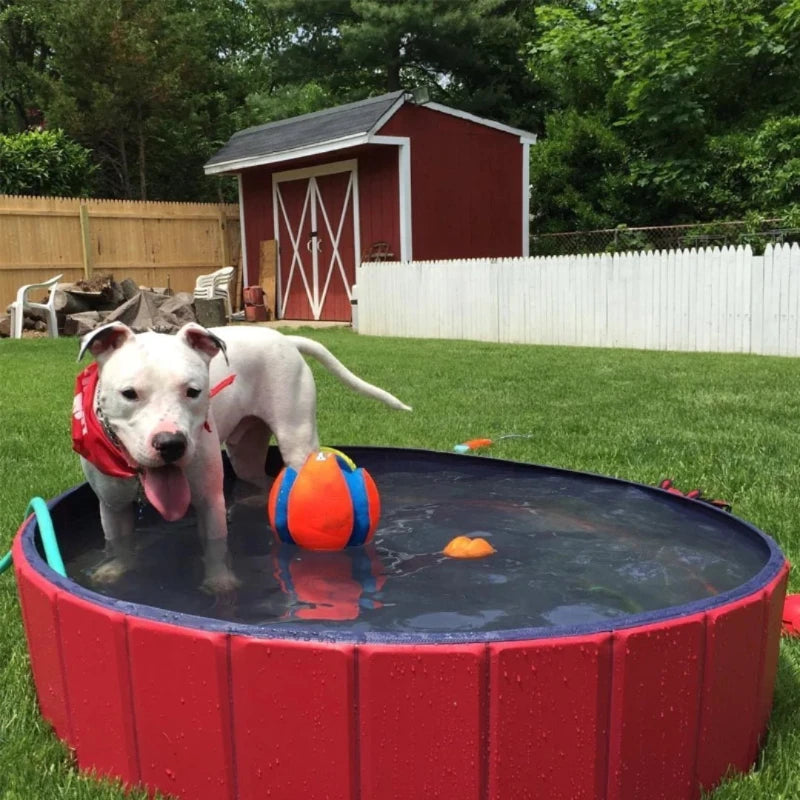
(479,444)
(327,505)
(464,547)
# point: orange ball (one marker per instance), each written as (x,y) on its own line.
(327,505)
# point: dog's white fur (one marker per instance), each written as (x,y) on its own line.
(154,383)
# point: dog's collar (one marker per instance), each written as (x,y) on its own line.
(107,427)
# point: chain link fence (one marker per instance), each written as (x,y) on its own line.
(758,234)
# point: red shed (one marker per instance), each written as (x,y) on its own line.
(383,178)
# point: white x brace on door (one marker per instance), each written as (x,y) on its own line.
(316,227)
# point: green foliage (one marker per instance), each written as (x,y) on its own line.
(572,56)
(352,49)
(702,96)
(775,162)
(578,174)
(652,111)
(44,163)
(23,58)
(625,240)
(286,101)
(139,81)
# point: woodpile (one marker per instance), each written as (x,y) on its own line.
(82,306)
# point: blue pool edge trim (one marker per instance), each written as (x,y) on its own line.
(757,583)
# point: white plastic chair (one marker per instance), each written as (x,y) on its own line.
(217,284)
(17,308)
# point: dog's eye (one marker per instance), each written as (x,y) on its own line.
(193,393)
(129,394)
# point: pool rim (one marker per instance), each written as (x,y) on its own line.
(773,566)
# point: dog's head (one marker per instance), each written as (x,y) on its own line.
(153,389)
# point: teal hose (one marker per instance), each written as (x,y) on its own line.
(48,537)
(47,534)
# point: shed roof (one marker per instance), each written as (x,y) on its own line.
(329,129)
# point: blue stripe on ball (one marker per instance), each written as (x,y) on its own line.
(282,505)
(358,494)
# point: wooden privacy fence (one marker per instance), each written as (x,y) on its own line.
(723,300)
(154,243)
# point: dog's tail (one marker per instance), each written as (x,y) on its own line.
(309,347)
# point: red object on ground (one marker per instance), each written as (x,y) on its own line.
(791,615)
(255,313)
(694,494)
(476,444)
(656,711)
(253,295)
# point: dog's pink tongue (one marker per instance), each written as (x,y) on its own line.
(168,491)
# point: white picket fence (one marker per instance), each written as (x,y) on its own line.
(722,300)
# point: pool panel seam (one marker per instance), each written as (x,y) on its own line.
(129,700)
(701,697)
(484,722)
(603,785)
(755,734)
(767,594)
(62,665)
(231,721)
(356,771)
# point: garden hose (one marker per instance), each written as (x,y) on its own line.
(47,534)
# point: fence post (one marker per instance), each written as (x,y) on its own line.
(86,241)
(223,238)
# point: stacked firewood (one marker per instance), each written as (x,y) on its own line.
(82,306)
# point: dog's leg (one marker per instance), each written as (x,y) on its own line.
(294,420)
(116,497)
(297,439)
(247,450)
(204,474)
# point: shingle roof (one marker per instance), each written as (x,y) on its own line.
(307,130)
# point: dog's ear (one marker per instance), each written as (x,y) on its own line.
(203,341)
(102,341)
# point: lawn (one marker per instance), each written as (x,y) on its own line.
(728,424)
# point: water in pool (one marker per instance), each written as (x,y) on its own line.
(571,550)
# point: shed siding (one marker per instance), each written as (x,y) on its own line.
(258,226)
(466,185)
(378,199)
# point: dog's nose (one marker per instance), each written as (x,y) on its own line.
(170,446)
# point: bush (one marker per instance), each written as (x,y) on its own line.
(44,163)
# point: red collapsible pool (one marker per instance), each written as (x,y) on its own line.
(621,643)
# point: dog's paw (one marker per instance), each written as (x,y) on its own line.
(109,571)
(221,582)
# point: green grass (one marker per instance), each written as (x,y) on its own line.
(728,424)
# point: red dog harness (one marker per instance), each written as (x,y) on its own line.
(90,438)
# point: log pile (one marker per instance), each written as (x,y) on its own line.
(82,306)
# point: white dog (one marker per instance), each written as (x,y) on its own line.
(156,408)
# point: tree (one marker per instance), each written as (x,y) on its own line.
(352,49)
(23,56)
(578,174)
(141,82)
(690,89)
(44,163)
